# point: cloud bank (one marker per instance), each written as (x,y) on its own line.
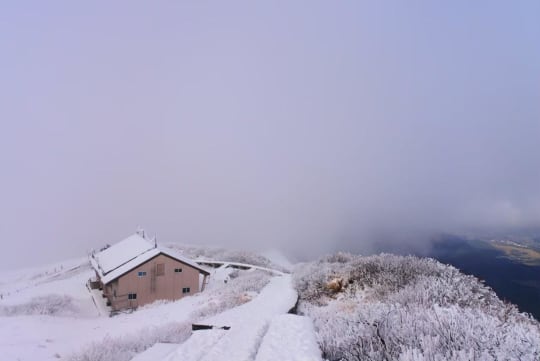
(309,127)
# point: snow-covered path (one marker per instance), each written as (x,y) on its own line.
(290,338)
(248,323)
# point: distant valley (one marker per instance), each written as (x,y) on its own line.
(510,266)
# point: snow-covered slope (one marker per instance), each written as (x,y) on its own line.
(350,308)
(48,314)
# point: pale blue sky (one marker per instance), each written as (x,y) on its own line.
(311,125)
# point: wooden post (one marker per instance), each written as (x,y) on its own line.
(203,282)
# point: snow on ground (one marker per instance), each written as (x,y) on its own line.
(34,336)
(259,330)
(248,325)
(49,337)
(290,338)
(156,352)
(43,337)
(18,286)
(219,276)
(67,278)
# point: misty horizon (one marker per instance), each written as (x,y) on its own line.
(309,127)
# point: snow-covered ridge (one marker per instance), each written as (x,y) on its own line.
(382,307)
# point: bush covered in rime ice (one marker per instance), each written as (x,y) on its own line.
(213,302)
(52,305)
(408,308)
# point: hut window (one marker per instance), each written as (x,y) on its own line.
(132,296)
(160,269)
(185,290)
(177,270)
(141,273)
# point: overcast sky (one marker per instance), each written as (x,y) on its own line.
(300,125)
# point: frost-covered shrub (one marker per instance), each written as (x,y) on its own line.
(409,308)
(52,305)
(339,257)
(234,274)
(382,331)
(126,347)
(233,294)
(248,281)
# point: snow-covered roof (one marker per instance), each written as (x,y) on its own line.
(126,267)
(122,252)
(133,251)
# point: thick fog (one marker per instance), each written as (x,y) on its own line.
(308,127)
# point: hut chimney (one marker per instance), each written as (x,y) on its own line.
(140,232)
